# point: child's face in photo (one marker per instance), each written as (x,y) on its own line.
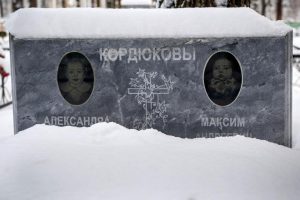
(222,69)
(75,73)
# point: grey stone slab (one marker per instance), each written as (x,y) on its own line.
(166,94)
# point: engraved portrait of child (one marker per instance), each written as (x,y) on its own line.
(222,78)
(75,78)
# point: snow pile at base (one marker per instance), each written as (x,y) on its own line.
(107,161)
(142,23)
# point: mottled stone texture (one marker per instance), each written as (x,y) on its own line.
(263,102)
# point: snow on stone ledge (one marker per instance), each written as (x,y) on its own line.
(141,23)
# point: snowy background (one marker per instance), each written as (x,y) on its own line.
(107,161)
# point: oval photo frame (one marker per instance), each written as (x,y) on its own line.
(75,78)
(222,78)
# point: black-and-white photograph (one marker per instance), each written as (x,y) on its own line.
(222,78)
(75,78)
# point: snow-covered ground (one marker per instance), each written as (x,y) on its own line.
(296,109)
(108,161)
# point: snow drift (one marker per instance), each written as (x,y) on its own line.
(107,161)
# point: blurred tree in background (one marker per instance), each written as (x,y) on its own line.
(288,10)
(262,6)
(201,3)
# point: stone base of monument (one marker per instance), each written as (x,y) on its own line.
(202,76)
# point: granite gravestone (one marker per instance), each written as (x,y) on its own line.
(195,85)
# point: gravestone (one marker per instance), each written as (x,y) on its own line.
(187,72)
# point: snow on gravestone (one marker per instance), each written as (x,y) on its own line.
(186,72)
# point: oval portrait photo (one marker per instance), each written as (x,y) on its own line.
(75,78)
(222,78)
